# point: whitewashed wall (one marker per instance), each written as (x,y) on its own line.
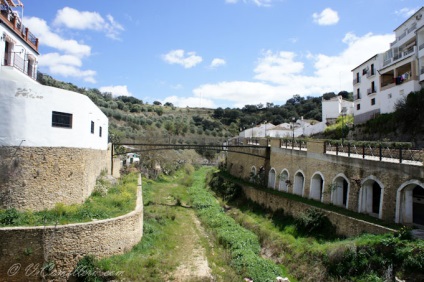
(26,114)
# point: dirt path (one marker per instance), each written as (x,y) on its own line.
(193,262)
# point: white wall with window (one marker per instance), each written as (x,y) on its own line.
(34,115)
(16,54)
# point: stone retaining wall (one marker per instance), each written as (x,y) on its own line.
(36,178)
(24,250)
(345,225)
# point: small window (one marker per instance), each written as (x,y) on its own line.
(372,101)
(373,90)
(390,95)
(92,127)
(358,107)
(60,119)
(100,131)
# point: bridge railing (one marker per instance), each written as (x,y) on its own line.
(294,144)
(384,152)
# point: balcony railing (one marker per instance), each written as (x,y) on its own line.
(356,80)
(422,70)
(15,23)
(12,60)
(369,91)
(402,36)
(370,73)
(421,46)
(409,51)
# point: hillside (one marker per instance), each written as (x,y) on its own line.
(132,120)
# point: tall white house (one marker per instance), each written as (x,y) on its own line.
(379,82)
(53,142)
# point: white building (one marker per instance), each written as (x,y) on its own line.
(382,80)
(53,142)
(35,115)
(334,107)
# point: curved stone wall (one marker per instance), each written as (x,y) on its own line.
(24,250)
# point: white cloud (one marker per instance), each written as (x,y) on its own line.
(182,102)
(179,57)
(40,29)
(117,90)
(217,62)
(280,75)
(273,67)
(74,19)
(406,12)
(67,64)
(326,17)
(259,3)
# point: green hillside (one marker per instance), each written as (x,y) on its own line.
(132,120)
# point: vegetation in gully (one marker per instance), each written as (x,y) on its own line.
(310,250)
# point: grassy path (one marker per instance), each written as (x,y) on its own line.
(175,247)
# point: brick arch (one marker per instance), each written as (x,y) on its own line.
(406,207)
(317,186)
(370,199)
(299,183)
(284,182)
(340,189)
(271,178)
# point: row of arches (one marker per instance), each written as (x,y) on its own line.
(370,197)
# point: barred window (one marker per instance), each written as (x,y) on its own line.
(60,119)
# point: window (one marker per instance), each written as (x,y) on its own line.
(92,127)
(372,101)
(100,131)
(390,95)
(358,94)
(61,119)
(372,69)
(358,107)
(373,90)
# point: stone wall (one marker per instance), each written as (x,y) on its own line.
(37,178)
(345,225)
(27,249)
(313,162)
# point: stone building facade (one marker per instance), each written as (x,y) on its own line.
(386,190)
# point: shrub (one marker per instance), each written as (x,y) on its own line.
(314,221)
(9,217)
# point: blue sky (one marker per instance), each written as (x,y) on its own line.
(212,53)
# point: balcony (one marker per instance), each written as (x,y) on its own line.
(370,73)
(356,80)
(27,67)
(15,24)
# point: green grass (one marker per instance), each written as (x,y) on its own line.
(326,258)
(105,202)
(168,220)
(243,245)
